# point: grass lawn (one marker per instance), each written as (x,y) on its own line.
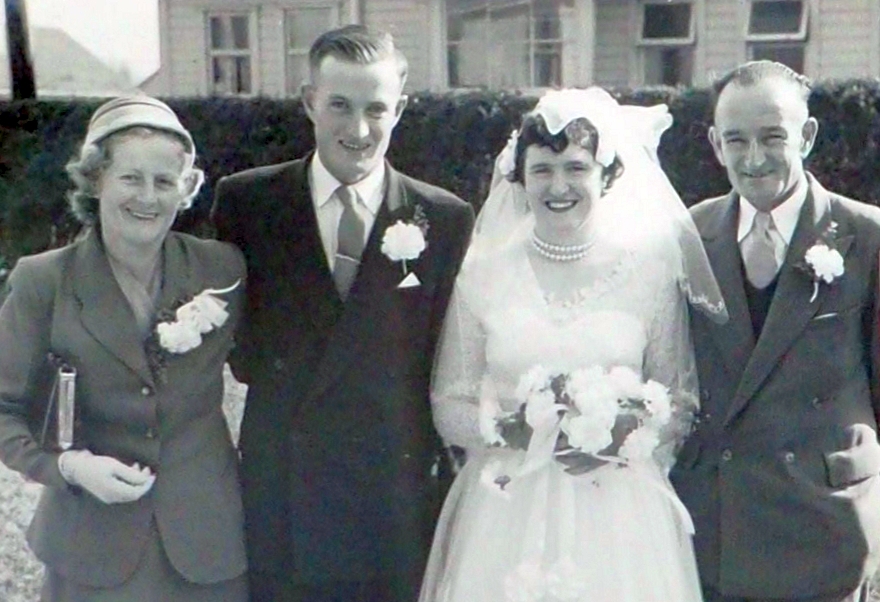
(20,573)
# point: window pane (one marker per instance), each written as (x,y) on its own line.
(509,24)
(240,32)
(547,22)
(667,21)
(219,33)
(548,65)
(465,5)
(776,17)
(297,72)
(509,66)
(468,57)
(791,55)
(231,75)
(304,25)
(669,66)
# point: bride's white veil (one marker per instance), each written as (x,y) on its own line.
(641,210)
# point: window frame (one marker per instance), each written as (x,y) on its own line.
(799,36)
(534,44)
(291,52)
(250,52)
(686,41)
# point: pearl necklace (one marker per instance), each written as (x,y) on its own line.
(560,252)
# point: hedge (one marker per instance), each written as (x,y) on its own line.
(446,139)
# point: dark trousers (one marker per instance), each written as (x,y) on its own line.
(270,588)
(861,594)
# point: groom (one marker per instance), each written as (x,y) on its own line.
(781,473)
(350,268)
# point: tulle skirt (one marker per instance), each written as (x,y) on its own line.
(617,534)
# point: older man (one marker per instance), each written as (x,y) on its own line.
(781,473)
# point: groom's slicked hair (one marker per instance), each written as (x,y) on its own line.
(356,44)
(753,72)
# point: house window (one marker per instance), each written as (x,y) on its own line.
(302,26)
(777,31)
(666,38)
(230,51)
(506,43)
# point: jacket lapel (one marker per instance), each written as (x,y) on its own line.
(371,293)
(735,339)
(104,310)
(792,307)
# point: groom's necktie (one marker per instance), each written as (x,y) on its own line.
(759,251)
(350,242)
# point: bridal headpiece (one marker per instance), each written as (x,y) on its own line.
(641,210)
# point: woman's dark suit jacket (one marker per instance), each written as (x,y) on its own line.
(67,302)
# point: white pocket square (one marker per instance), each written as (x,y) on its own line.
(410,281)
(833,314)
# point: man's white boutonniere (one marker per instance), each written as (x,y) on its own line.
(404,241)
(823,262)
(201,315)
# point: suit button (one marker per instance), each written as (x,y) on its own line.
(150,434)
(788,457)
(705,395)
(146,391)
(816,402)
(727,455)
(278,365)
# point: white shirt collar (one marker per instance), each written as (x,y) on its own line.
(785,217)
(324,185)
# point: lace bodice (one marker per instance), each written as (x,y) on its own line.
(501,324)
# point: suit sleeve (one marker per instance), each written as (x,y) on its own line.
(228,224)
(25,322)
(460,228)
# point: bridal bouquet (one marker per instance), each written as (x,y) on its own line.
(587,415)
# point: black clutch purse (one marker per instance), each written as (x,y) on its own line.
(56,432)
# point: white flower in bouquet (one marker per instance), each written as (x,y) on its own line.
(592,391)
(178,337)
(627,382)
(536,379)
(639,444)
(657,401)
(590,434)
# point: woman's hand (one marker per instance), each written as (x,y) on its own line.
(104,477)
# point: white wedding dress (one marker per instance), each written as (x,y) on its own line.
(615,534)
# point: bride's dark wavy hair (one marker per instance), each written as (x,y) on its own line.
(579,131)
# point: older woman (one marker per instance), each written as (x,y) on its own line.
(566,370)
(144,505)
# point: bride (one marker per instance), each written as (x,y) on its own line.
(566,370)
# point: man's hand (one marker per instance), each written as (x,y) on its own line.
(104,477)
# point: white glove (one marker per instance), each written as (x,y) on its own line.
(104,477)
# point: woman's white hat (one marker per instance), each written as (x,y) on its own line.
(131,111)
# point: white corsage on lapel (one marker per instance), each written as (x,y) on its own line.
(405,241)
(823,262)
(179,331)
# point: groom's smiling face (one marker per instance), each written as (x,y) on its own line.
(354,108)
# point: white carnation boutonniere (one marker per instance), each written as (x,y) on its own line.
(405,241)
(823,262)
(181,330)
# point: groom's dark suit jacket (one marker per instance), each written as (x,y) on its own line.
(339,453)
(781,473)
